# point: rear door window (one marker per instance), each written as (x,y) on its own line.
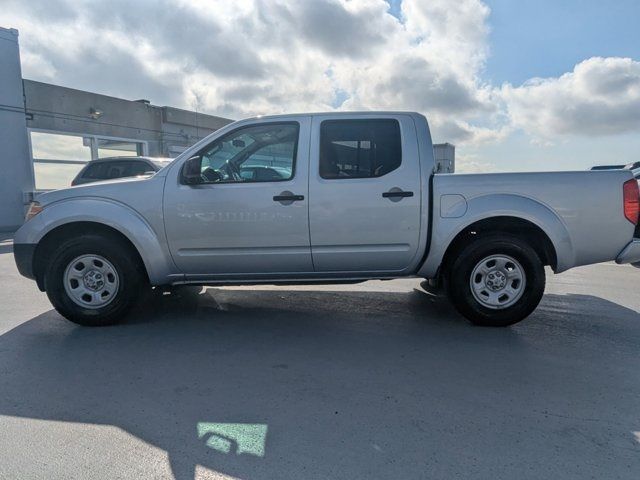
(359,148)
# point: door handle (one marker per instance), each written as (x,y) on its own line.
(288,197)
(397,194)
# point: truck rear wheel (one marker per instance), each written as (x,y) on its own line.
(496,280)
(92,280)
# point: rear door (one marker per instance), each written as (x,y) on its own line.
(364,191)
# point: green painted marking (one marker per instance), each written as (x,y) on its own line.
(234,437)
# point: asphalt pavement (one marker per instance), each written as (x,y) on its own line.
(379,380)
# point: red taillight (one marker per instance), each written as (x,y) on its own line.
(631,195)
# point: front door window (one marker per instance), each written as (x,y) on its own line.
(259,153)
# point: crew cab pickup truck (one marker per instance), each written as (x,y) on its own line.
(324,198)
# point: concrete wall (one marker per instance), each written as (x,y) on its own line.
(16,173)
(167,130)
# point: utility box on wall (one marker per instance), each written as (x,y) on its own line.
(16,178)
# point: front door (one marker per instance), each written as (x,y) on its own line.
(365,194)
(248,214)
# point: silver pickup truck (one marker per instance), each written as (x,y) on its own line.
(324,198)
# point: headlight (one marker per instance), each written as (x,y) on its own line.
(34,209)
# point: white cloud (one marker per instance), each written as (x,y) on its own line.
(601,96)
(250,57)
(471,163)
(256,56)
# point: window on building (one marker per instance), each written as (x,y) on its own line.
(359,148)
(60,147)
(118,148)
(57,157)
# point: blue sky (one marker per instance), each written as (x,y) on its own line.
(545,38)
(531,39)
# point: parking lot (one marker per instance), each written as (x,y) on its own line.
(376,380)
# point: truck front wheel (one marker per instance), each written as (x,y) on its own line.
(92,280)
(496,280)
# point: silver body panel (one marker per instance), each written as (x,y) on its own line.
(581,212)
(353,227)
(234,228)
(343,229)
(631,254)
(130,205)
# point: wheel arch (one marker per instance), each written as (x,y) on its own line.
(62,232)
(535,236)
(92,215)
(496,213)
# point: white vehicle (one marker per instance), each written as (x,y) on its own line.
(326,198)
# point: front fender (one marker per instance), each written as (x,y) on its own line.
(149,243)
(445,230)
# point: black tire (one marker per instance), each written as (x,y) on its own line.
(126,263)
(458,280)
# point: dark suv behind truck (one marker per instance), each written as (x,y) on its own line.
(118,167)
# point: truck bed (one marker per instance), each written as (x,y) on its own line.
(581,211)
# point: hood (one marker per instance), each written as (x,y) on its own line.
(115,189)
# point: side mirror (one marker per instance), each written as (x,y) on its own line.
(191,171)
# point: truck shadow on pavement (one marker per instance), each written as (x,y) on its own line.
(264,384)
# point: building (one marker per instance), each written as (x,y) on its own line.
(16,180)
(445,157)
